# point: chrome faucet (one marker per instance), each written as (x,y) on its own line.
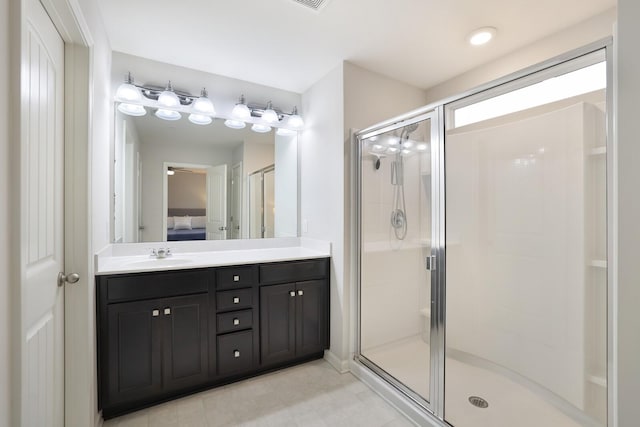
(160,252)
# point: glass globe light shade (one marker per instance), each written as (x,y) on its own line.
(269,115)
(132,109)
(235,124)
(257,127)
(168,98)
(200,119)
(203,105)
(168,114)
(295,121)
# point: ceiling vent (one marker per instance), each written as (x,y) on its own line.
(316,5)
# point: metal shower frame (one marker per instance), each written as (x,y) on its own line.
(433,409)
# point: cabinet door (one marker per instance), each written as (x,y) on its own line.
(277,323)
(311,321)
(185,341)
(133,336)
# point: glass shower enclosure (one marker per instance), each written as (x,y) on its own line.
(396,188)
(482,250)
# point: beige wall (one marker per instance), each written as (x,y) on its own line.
(591,30)
(187,190)
(153,155)
(628,213)
(349,97)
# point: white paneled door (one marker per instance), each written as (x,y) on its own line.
(217,203)
(42,245)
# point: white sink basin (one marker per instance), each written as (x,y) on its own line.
(160,262)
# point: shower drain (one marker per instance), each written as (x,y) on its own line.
(478,402)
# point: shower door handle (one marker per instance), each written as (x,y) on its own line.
(431,263)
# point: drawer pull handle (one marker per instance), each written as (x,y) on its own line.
(167,311)
(300,293)
(236,278)
(236,322)
(292,293)
(236,300)
(236,353)
(155,313)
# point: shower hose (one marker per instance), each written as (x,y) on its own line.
(398,215)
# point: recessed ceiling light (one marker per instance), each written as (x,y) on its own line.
(481,36)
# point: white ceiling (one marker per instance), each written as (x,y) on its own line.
(281,44)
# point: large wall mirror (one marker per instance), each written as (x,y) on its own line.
(177,181)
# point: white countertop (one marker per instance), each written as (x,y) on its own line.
(135,258)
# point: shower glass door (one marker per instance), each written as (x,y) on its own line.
(526,242)
(395,239)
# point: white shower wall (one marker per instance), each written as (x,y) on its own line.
(395,286)
(521,250)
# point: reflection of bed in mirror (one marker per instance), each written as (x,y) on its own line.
(186,224)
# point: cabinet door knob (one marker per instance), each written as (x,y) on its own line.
(236,322)
(155,313)
(292,293)
(236,300)
(167,311)
(236,278)
(236,353)
(300,293)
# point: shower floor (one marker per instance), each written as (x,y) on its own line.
(510,403)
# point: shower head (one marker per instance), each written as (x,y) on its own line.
(408,130)
(376,160)
(412,127)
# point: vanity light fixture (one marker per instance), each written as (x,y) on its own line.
(170,104)
(241,111)
(295,121)
(168,99)
(202,109)
(130,98)
(269,115)
(235,124)
(260,128)
(164,114)
(481,36)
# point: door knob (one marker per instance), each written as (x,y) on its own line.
(69,278)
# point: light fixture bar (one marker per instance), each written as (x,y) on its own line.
(147,96)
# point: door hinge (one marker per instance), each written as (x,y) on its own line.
(431,263)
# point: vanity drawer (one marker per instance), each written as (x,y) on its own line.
(234,300)
(235,277)
(295,271)
(235,353)
(141,286)
(234,321)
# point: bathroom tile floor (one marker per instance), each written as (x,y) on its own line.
(312,394)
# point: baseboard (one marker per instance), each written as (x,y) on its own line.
(338,364)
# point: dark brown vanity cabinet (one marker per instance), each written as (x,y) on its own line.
(149,348)
(236,305)
(293,315)
(165,334)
